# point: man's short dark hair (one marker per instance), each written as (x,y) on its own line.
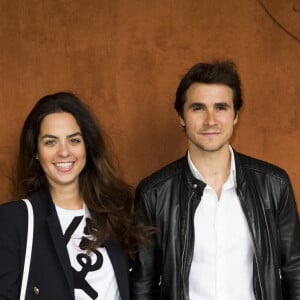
(218,72)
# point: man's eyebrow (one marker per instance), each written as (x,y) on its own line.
(196,104)
(222,104)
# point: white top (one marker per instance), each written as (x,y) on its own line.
(222,266)
(94,277)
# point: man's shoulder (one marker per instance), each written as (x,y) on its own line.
(256,165)
(164,174)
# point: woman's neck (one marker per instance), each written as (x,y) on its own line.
(67,198)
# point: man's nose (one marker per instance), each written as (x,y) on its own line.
(210,117)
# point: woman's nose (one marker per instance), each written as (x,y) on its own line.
(63,150)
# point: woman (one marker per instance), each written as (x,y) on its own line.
(84,229)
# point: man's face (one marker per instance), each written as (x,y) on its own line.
(208,117)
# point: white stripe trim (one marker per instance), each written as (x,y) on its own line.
(28,249)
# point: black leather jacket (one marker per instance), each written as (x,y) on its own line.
(168,199)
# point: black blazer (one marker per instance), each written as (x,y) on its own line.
(50,276)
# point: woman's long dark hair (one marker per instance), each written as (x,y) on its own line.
(108,198)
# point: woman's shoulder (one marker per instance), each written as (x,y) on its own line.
(13,221)
(16,206)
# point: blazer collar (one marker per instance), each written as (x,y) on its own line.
(120,263)
(46,208)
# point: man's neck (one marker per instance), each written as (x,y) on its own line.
(213,166)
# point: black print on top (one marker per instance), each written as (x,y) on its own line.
(83,259)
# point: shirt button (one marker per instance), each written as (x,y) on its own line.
(195,185)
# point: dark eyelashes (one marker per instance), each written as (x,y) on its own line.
(222,107)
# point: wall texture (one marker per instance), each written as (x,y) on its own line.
(125,59)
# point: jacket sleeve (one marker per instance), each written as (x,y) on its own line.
(13,225)
(289,231)
(145,275)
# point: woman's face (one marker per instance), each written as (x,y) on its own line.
(61,150)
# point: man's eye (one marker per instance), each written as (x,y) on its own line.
(222,107)
(197,107)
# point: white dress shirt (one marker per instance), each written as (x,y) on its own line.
(222,266)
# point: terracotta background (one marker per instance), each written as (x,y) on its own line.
(125,59)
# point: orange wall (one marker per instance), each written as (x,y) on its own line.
(125,58)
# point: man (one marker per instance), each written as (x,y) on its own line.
(226,224)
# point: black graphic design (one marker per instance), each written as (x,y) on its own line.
(84,259)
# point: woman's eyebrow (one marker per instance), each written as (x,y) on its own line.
(51,136)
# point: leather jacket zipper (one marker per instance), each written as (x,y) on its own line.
(185,244)
(254,247)
(258,273)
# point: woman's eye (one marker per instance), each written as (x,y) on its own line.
(75,141)
(49,142)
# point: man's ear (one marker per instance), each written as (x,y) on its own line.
(236,119)
(181,120)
